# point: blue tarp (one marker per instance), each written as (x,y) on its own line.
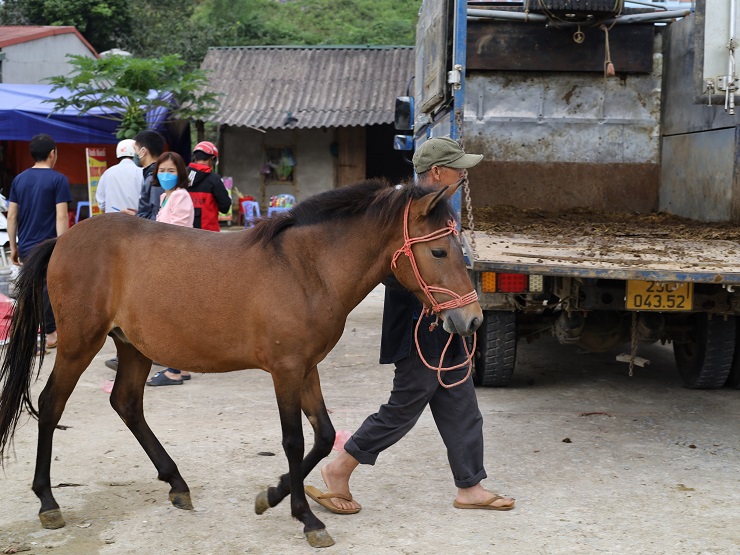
(23,114)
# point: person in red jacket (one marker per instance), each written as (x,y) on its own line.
(207,188)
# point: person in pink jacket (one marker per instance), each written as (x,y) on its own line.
(176,207)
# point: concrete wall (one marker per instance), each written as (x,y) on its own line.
(243,158)
(699,149)
(31,62)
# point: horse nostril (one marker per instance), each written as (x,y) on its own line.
(475,324)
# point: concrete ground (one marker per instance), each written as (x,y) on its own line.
(598,461)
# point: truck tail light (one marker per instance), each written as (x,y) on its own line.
(512,283)
(536,284)
(488,282)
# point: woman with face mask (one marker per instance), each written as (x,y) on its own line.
(176,207)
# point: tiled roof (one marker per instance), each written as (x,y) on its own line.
(18,34)
(282,87)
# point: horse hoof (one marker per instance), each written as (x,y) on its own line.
(52,519)
(182,501)
(319,538)
(261,504)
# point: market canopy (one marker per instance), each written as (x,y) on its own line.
(24,113)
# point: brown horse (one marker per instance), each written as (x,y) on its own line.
(137,280)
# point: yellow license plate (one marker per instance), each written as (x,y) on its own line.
(659,295)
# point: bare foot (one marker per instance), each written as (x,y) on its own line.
(478,494)
(336,479)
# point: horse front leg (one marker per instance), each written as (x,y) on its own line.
(289,393)
(312,404)
(127,398)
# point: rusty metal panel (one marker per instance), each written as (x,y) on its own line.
(554,117)
(432,49)
(681,113)
(515,46)
(697,175)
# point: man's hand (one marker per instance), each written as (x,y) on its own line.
(129,211)
(14,256)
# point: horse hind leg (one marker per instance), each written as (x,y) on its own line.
(312,404)
(127,399)
(68,367)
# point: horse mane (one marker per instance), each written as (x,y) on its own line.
(373,198)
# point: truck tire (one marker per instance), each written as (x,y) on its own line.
(733,379)
(495,354)
(704,360)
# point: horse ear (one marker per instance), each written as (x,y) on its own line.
(429,201)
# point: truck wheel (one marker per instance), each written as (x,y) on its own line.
(733,379)
(704,360)
(495,353)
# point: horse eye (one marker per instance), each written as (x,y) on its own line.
(439,253)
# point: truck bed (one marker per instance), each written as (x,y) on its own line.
(593,244)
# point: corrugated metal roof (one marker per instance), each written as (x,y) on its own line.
(323,86)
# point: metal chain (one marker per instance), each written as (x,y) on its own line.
(633,352)
(466,187)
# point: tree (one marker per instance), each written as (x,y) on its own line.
(104,23)
(130,87)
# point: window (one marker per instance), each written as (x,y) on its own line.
(279,164)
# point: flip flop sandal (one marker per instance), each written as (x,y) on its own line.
(485,505)
(161,379)
(185,377)
(324,499)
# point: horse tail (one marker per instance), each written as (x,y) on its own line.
(19,358)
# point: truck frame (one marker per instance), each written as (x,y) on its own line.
(597,106)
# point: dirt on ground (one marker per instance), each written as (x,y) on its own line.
(598,461)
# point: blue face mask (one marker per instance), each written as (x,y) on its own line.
(167,180)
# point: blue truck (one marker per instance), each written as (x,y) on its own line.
(597,119)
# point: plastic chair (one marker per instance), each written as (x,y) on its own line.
(81,205)
(275,210)
(251,211)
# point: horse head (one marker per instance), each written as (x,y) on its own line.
(434,268)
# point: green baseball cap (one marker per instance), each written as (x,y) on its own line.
(443,151)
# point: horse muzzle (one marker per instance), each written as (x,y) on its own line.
(463,320)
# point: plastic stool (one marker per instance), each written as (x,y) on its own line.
(251,211)
(81,205)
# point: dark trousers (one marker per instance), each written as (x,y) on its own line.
(455,411)
(50,324)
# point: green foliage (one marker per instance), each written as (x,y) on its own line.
(310,22)
(123,84)
(172,27)
(149,28)
(103,23)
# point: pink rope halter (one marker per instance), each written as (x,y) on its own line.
(434,306)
